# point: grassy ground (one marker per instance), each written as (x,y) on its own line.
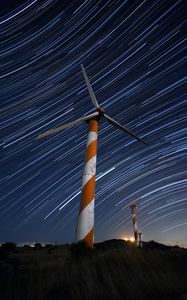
(111,274)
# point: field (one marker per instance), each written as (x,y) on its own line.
(114,270)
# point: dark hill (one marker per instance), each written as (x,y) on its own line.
(119,244)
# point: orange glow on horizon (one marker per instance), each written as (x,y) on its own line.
(129,239)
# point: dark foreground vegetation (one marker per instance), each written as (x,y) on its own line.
(113,270)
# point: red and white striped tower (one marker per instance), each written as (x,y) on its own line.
(134,221)
(85,224)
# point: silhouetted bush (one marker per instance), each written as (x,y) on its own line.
(8,247)
(26,247)
(37,246)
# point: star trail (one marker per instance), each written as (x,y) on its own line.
(134,53)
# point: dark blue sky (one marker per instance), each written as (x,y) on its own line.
(134,54)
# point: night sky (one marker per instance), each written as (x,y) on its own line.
(134,54)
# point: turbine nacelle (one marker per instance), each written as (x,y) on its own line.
(100,110)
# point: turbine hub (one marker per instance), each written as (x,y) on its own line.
(100,110)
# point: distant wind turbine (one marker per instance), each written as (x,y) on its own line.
(134,221)
(85,224)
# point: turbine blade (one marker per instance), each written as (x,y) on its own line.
(90,90)
(58,129)
(119,126)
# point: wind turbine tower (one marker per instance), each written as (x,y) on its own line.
(134,221)
(140,239)
(85,224)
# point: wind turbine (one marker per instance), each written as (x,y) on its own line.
(85,224)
